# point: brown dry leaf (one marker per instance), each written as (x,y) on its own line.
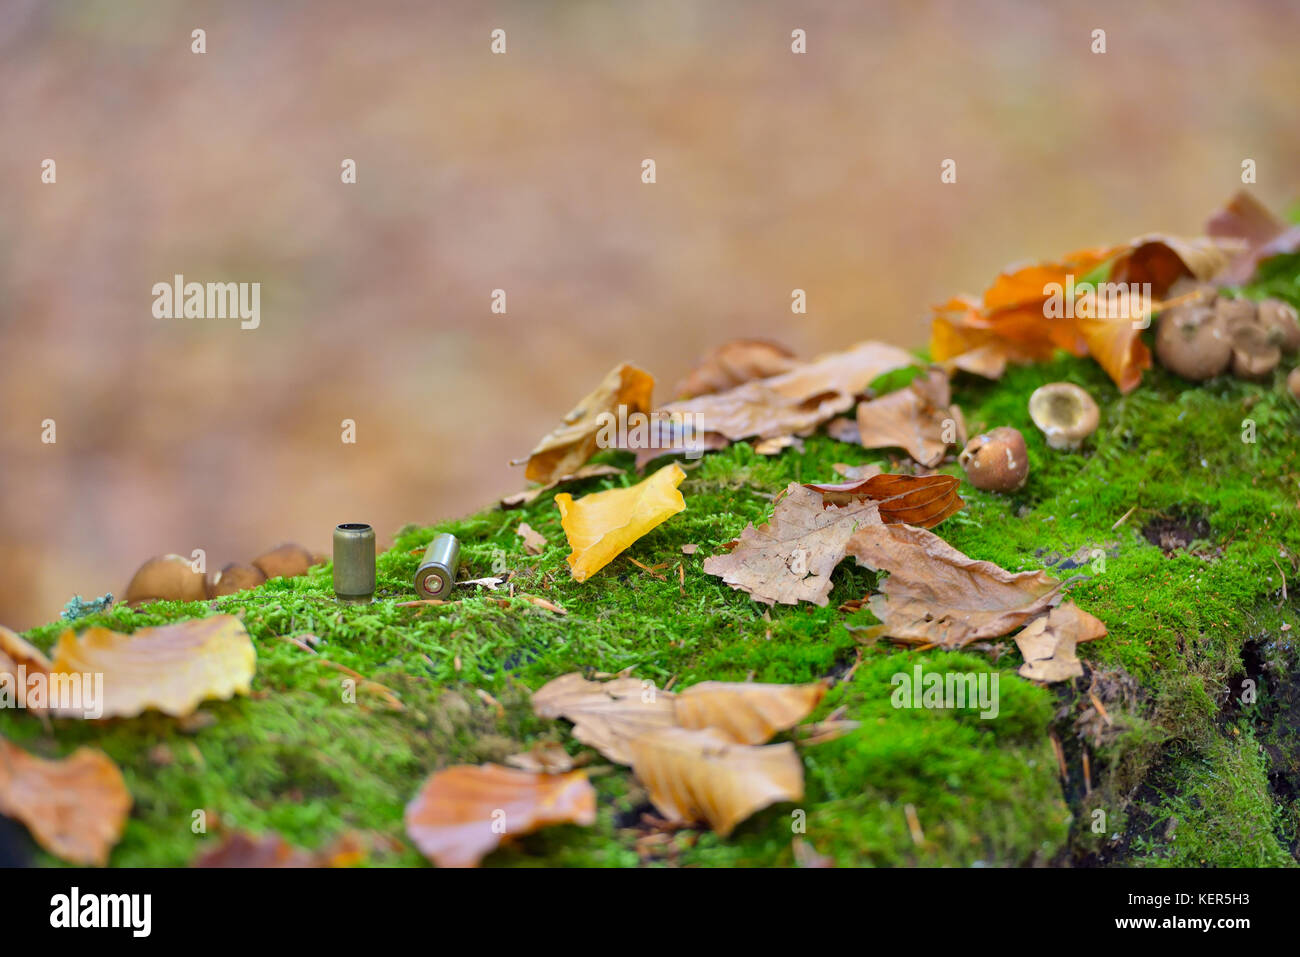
(545,757)
(569,447)
(1261,234)
(778,444)
(519,499)
(269,851)
(857,472)
(601,525)
(749,713)
(790,559)
(936,595)
(1162,260)
(75,807)
(795,402)
(462,813)
(171,668)
(734,363)
(1048,643)
(16,652)
(924,500)
(534,541)
(606,715)
(918,419)
(701,775)
(822,732)
(690,549)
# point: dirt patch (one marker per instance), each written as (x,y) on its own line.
(1182,533)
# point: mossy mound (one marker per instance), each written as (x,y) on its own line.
(1183,769)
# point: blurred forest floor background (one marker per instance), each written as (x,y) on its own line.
(522,172)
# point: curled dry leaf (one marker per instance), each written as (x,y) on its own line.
(606,715)
(778,444)
(519,499)
(75,807)
(172,668)
(924,500)
(918,419)
(702,775)
(462,812)
(534,541)
(601,525)
(936,595)
(15,653)
(566,449)
(790,559)
(1048,643)
(747,712)
(734,363)
(1261,234)
(795,402)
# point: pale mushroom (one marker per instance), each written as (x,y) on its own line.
(1064,413)
(1193,342)
(996,461)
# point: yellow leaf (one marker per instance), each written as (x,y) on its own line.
(171,668)
(695,775)
(601,525)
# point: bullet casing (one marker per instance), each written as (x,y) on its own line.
(436,575)
(354,562)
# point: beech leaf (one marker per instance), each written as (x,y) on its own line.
(747,712)
(734,363)
(924,500)
(918,419)
(606,715)
(1048,643)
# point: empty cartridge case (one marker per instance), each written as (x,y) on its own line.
(354,562)
(436,575)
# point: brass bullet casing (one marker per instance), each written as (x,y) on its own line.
(436,575)
(354,562)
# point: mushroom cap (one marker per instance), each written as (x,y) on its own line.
(996,461)
(1280,320)
(1254,354)
(1064,413)
(1234,313)
(284,561)
(1293,382)
(1191,341)
(166,578)
(235,577)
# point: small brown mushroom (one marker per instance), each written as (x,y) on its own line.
(996,461)
(284,561)
(1064,413)
(235,577)
(1193,343)
(1293,382)
(166,578)
(1281,322)
(1254,354)
(1235,313)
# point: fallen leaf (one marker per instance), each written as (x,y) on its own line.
(601,525)
(1261,234)
(778,444)
(240,850)
(936,595)
(519,499)
(857,472)
(534,541)
(539,602)
(795,402)
(1115,341)
(15,653)
(462,813)
(690,549)
(924,500)
(1048,643)
(823,731)
(171,668)
(545,757)
(747,712)
(75,807)
(697,775)
(563,451)
(918,419)
(790,559)
(606,715)
(1162,260)
(734,363)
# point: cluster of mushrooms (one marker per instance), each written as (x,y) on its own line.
(173,578)
(1202,339)
(1197,340)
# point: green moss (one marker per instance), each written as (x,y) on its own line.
(299,758)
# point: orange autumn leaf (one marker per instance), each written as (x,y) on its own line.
(462,813)
(602,525)
(171,668)
(75,807)
(1023,285)
(924,500)
(16,653)
(702,775)
(747,712)
(1115,341)
(566,449)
